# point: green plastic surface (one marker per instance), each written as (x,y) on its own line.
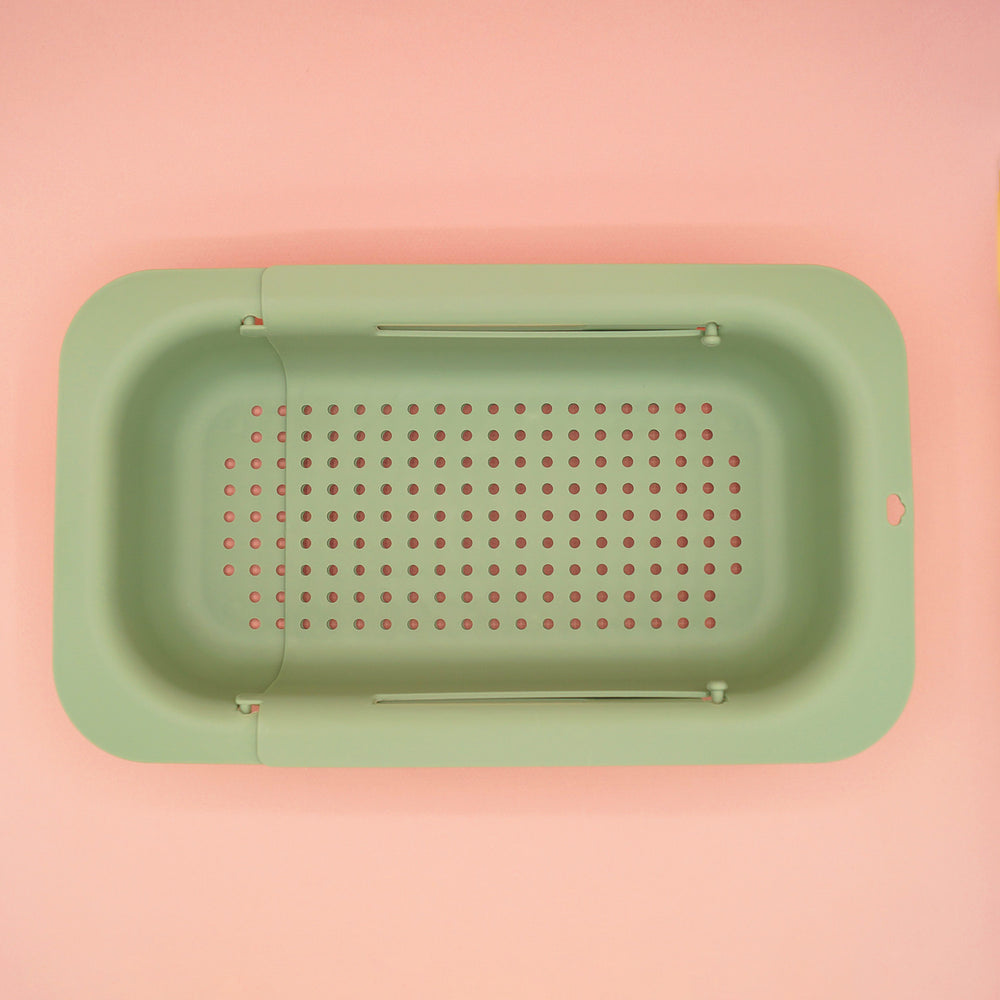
(468,515)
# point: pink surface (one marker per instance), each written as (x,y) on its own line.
(858,134)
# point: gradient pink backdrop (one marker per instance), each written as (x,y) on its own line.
(858,134)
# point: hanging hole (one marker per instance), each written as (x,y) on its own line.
(894,509)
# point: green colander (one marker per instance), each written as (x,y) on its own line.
(425,515)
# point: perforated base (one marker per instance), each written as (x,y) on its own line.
(620,516)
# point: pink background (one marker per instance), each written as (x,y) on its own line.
(858,134)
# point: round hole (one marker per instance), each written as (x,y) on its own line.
(230,463)
(331,623)
(229,489)
(709,568)
(255,596)
(229,569)
(521,623)
(439,624)
(256,437)
(682,623)
(254,623)
(333,409)
(602,623)
(359,623)
(709,623)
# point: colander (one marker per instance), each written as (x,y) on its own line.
(539,514)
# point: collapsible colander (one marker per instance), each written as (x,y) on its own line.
(484,515)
